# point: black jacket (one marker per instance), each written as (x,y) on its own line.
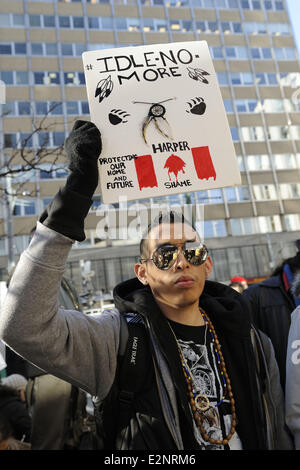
(148,425)
(15,412)
(271,308)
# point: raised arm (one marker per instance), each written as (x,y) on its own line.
(69,344)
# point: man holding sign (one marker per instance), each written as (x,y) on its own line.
(176,365)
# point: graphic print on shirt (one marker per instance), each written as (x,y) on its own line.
(201,362)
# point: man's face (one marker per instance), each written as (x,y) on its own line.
(181,284)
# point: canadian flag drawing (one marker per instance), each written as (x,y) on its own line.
(202,162)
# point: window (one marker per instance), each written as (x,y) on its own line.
(272,106)
(228,106)
(58,138)
(24,108)
(49,21)
(210,196)
(264,192)
(21,78)
(216,52)
(46,78)
(24,207)
(5,49)
(7,109)
(251,225)
(72,107)
(290,191)
(10,140)
(292,222)
(285,53)
(279,28)
(279,132)
(85,107)
(248,106)
(266,79)
(237,194)
(78,22)
(67,49)
(258,162)
(290,79)
(237,52)
(251,4)
(25,140)
(10,19)
(7,77)
(273,5)
(255,28)
(214,228)
(234,133)
(285,161)
(241,78)
(64,22)
(260,53)
(5,20)
(43,140)
(252,134)
(20,48)
(35,21)
(222,78)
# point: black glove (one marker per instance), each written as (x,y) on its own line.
(66,212)
(83,147)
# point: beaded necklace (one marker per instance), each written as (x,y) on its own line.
(200,402)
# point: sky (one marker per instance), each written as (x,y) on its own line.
(294,11)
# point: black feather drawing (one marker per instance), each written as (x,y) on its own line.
(104,88)
(198,74)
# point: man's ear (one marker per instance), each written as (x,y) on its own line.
(208,266)
(141,274)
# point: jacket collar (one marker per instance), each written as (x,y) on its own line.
(227,308)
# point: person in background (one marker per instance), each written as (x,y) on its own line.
(292,388)
(51,402)
(240,280)
(5,432)
(272,302)
(237,286)
(13,406)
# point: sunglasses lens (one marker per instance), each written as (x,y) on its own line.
(196,256)
(165,257)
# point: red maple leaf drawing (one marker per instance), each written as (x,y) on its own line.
(174,165)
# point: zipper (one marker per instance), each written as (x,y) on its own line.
(169,425)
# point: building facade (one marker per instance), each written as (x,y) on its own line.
(250,228)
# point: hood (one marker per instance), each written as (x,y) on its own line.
(227,308)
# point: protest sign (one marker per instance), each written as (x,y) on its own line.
(163,123)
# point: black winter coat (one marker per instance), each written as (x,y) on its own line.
(271,308)
(15,412)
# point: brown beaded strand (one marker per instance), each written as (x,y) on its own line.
(197,414)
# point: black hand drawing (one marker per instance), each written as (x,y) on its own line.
(198,74)
(197,106)
(117,116)
(104,88)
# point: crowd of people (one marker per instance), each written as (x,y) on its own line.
(180,363)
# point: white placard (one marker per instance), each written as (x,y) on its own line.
(163,123)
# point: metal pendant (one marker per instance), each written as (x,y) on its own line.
(202,402)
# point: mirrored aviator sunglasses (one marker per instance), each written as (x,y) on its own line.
(165,256)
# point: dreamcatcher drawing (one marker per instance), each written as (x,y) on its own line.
(156,114)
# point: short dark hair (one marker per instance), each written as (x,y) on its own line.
(169,217)
(293,262)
